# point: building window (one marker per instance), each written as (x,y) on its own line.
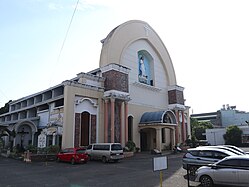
(59,103)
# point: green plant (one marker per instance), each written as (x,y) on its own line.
(130,145)
(53,149)
(233,135)
(32,148)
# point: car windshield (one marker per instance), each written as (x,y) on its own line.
(79,151)
(116,147)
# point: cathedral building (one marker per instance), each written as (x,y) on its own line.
(132,96)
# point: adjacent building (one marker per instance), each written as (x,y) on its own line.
(226,116)
(133,95)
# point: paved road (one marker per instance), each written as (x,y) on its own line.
(135,171)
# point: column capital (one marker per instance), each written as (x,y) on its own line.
(112,99)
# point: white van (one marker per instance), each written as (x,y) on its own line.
(105,152)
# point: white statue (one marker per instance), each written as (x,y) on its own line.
(142,68)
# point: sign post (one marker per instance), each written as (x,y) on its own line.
(159,164)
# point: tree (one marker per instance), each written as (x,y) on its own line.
(5,109)
(199,128)
(233,135)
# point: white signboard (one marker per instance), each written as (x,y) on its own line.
(160,163)
(42,138)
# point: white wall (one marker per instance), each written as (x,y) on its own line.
(215,136)
(86,104)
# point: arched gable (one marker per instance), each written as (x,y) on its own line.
(27,122)
(120,38)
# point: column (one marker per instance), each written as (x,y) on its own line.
(106,122)
(176,128)
(173,140)
(121,122)
(126,120)
(183,128)
(112,119)
(53,140)
(159,139)
(32,137)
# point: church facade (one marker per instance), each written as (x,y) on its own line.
(132,96)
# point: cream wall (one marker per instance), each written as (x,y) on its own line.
(130,59)
(71,93)
(123,36)
(121,46)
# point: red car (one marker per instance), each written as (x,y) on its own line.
(73,155)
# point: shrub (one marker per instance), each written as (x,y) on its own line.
(233,135)
(130,145)
(53,149)
(32,148)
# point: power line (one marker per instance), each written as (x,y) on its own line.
(3,94)
(65,38)
(2,103)
(67,31)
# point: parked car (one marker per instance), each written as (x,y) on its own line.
(73,155)
(201,156)
(236,148)
(237,152)
(230,171)
(105,152)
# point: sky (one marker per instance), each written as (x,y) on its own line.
(207,40)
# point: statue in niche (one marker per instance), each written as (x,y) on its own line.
(142,71)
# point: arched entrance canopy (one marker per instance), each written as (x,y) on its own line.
(157,120)
(158,117)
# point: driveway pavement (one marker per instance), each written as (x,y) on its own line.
(134,171)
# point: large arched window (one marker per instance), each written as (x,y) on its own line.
(145,68)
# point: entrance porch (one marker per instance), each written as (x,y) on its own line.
(157,130)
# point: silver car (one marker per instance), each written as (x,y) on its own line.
(226,147)
(105,152)
(236,148)
(201,156)
(230,171)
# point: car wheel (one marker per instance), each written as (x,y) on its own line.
(104,159)
(206,181)
(72,161)
(192,170)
